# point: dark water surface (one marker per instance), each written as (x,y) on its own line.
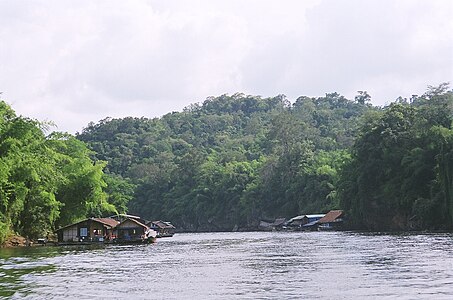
(256,265)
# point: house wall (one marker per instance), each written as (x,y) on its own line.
(129,230)
(70,234)
(96,231)
(85,230)
(128,224)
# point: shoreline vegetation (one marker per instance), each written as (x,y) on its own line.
(16,241)
(234,161)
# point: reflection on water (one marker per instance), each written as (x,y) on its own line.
(256,265)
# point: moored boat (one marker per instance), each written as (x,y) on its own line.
(94,231)
(333,220)
(163,229)
(131,231)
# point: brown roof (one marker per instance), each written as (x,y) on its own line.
(331,216)
(107,221)
(162,224)
(136,222)
(104,221)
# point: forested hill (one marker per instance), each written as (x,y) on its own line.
(235,160)
(232,160)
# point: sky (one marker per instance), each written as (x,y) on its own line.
(75,62)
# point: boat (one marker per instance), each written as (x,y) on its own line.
(325,227)
(131,231)
(333,220)
(100,231)
(163,229)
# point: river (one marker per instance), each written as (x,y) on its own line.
(251,265)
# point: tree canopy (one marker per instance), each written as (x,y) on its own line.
(232,161)
(45,181)
(399,177)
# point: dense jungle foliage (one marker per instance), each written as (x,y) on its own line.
(401,173)
(47,181)
(231,160)
(234,160)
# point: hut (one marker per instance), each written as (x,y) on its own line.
(278,224)
(265,225)
(304,222)
(314,217)
(163,229)
(297,221)
(92,230)
(333,220)
(121,217)
(132,231)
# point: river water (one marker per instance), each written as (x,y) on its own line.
(252,265)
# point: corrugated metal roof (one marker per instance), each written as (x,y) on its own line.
(297,218)
(125,216)
(331,216)
(316,216)
(162,224)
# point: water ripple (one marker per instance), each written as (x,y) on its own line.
(257,265)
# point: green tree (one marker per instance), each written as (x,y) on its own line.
(399,175)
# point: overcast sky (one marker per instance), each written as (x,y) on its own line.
(72,62)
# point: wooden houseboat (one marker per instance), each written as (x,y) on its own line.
(273,225)
(333,220)
(121,217)
(304,222)
(163,229)
(106,230)
(132,231)
(88,231)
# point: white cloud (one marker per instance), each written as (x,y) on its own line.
(74,62)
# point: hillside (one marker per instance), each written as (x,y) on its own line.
(232,160)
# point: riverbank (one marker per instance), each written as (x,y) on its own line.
(15,241)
